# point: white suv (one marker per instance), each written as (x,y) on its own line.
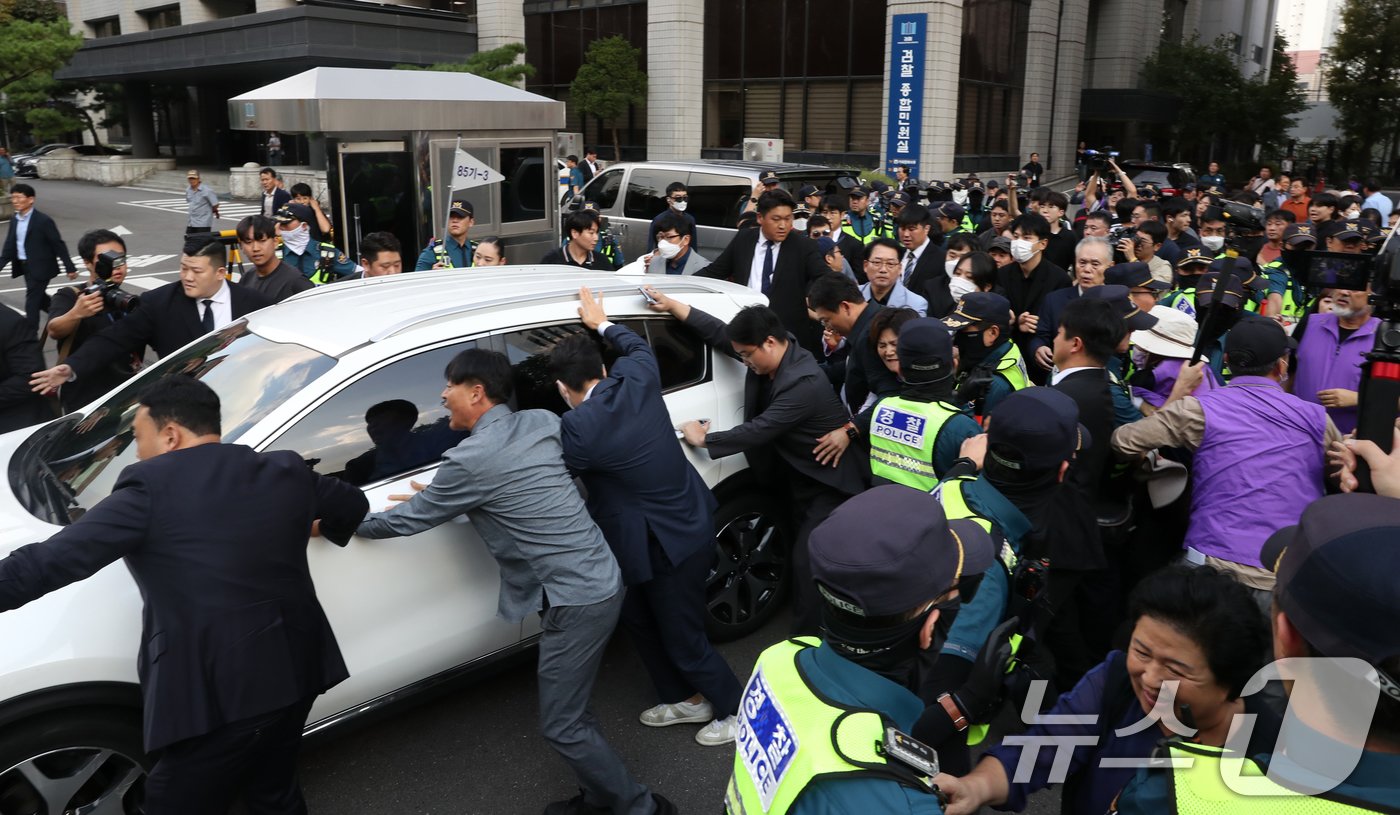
(349,376)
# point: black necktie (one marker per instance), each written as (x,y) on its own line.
(767,266)
(207,321)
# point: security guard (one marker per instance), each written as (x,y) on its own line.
(320,262)
(1189,268)
(823,723)
(990,365)
(456,250)
(915,436)
(1335,596)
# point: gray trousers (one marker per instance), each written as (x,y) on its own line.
(571,649)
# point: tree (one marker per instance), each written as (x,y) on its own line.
(1271,103)
(499,64)
(1363,80)
(34,39)
(610,81)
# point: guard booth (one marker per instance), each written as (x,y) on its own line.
(390,137)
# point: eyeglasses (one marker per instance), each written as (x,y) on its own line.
(883,264)
(748,355)
(670,236)
(820,233)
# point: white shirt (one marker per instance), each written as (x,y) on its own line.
(22,232)
(221,302)
(756,269)
(918,252)
(1058,375)
(1379,202)
(268,198)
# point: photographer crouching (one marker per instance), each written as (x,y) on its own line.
(78,312)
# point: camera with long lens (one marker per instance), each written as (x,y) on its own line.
(113,298)
(1097,160)
(1243,228)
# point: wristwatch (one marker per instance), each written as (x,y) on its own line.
(954,712)
(851,431)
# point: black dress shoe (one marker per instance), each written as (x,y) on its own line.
(577,806)
(663,805)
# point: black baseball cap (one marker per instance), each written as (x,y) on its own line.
(925,351)
(1035,429)
(979,307)
(1241,268)
(1347,230)
(1205,290)
(1192,256)
(808,189)
(891,549)
(294,212)
(858,192)
(1335,577)
(1256,341)
(1133,275)
(950,210)
(1117,296)
(1299,233)
(769,178)
(462,208)
(879,186)
(900,199)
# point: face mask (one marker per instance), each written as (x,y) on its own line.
(799,224)
(1213,243)
(890,652)
(1139,358)
(679,206)
(950,265)
(971,349)
(297,239)
(667,249)
(959,286)
(1022,251)
(1353,213)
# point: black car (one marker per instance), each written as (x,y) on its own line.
(1167,177)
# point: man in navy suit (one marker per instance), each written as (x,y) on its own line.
(234,646)
(1092,259)
(656,514)
(33,250)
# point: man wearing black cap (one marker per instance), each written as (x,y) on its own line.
(861,223)
(788,406)
(1333,615)
(1143,288)
(990,365)
(318,262)
(454,251)
(1242,490)
(811,195)
(915,436)
(1193,263)
(884,589)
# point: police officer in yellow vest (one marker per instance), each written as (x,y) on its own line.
(1335,597)
(915,436)
(824,723)
(1287,298)
(990,365)
(320,262)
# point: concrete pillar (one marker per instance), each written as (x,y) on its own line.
(1040,83)
(498,23)
(139,119)
(675,64)
(1128,31)
(1054,108)
(942,53)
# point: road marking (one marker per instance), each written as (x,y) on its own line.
(61,281)
(228,210)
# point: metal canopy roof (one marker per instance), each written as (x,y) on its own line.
(357,100)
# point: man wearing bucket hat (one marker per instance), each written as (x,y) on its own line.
(1334,599)
(823,722)
(1243,491)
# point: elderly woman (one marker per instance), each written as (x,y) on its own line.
(1158,354)
(1197,638)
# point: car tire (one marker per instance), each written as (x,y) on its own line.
(751,575)
(85,760)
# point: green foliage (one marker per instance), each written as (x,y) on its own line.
(1216,100)
(35,40)
(1363,79)
(499,64)
(609,82)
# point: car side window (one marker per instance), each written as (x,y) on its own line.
(603,190)
(383,425)
(646,192)
(680,353)
(714,199)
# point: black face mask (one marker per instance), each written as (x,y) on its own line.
(893,651)
(971,350)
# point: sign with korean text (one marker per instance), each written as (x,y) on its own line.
(468,172)
(907,51)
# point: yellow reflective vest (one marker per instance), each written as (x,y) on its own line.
(1199,788)
(902,437)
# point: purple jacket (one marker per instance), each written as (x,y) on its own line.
(1166,373)
(1325,363)
(1259,464)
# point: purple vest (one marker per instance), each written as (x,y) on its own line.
(1165,375)
(1322,364)
(1259,465)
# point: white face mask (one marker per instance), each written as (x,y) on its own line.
(1213,243)
(667,249)
(1022,250)
(679,206)
(950,265)
(1354,212)
(799,224)
(297,239)
(959,286)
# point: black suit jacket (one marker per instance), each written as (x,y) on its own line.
(800,408)
(853,251)
(279,197)
(930,280)
(622,444)
(1073,528)
(167,320)
(1049,314)
(20,357)
(231,627)
(43,247)
(798,264)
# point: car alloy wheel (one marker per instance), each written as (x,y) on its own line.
(750,576)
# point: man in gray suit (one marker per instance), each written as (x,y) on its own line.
(510,480)
(675,251)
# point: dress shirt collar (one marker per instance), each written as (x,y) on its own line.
(495,414)
(223,297)
(1059,376)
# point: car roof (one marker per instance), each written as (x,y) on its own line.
(782,168)
(338,318)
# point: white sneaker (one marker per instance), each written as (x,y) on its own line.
(679,713)
(718,732)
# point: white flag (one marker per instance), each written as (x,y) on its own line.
(468,172)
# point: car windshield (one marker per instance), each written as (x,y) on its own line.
(74,462)
(1159,177)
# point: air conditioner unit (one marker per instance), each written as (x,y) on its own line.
(568,144)
(763,150)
